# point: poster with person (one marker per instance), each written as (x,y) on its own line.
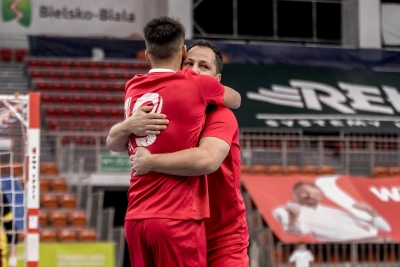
(337,208)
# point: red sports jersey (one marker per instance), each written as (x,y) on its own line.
(183,96)
(227,223)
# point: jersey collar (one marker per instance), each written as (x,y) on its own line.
(160,70)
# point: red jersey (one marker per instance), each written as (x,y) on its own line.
(183,96)
(227,223)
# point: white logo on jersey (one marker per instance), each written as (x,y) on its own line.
(157,103)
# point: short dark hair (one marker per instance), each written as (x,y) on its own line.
(218,55)
(164,36)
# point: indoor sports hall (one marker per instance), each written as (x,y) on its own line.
(318,126)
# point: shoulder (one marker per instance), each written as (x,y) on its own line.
(220,112)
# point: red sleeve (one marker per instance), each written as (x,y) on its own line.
(220,123)
(211,89)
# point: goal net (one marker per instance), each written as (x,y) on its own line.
(19,176)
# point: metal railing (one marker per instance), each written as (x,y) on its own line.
(347,154)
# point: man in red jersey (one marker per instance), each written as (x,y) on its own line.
(226,230)
(164,223)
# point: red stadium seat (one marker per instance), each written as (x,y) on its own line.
(64,64)
(53,124)
(93,99)
(48,235)
(5,54)
(275,170)
(46,98)
(67,201)
(82,112)
(394,171)
(116,113)
(67,236)
(43,218)
(58,218)
(36,74)
(87,235)
(56,86)
(48,168)
(380,171)
(58,185)
(48,201)
(88,87)
(62,99)
(97,75)
(107,64)
(52,74)
(33,63)
(98,112)
(44,185)
(77,99)
(82,75)
(326,170)
(66,112)
(292,169)
(103,87)
(50,111)
(49,63)
(119,87)
(72,87)
(41,86)
(309,170)
(77,64)
(122,65)
(66,75)
(20,54)
(93,64)
(77,218)
(259,169)
(244,169)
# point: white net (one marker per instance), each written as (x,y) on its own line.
(14,157)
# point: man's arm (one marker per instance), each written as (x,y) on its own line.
(232,98)
(140,123)
(189,162)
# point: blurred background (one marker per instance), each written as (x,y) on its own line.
(319,81)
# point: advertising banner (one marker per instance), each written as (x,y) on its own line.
(90,18)
(315,98)
(100,254)
(337,208)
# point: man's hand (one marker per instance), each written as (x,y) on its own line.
(293,212)
(367,208)
(140,161)
(142,123)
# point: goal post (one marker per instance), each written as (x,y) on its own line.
(33,158)
(19,171)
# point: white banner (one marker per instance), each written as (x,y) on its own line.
(391,24)
(88,18)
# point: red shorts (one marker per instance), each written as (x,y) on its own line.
(166,242)
(230,255)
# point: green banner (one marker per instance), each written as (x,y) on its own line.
(114,163)
(99,254)
(315,98)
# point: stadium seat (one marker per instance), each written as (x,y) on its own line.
(41,86)
(87,235)
(44,185)
(48,235)
(58,185)
(107,64)
(20,54)
(275,170)
(309,170)
(33,63)
(77,218)
(48,201)
(42,218)
(380,171)
(56,86)
(67,201)
(48,168)
(67,235)
(244,169)
(258,169)
(326,170)
(77,64)
(5,54)
(62,99)
(292,169)
(46,98)
(53,124)
(49,63)
(58,218)
(394,171)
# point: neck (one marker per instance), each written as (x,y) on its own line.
(174,64)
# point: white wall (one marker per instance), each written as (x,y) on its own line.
(369,17)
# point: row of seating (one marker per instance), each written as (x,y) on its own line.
(87,63)
(44,86)
(289,170)
(53,201)
(81,74)
(80,124)
(55,184)
(101,112)
(382,171)
(48,98)
(68,235)
(13,54)
(60,218)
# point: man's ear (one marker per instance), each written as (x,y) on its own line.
(218,77)
(184,52)
(146,55)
